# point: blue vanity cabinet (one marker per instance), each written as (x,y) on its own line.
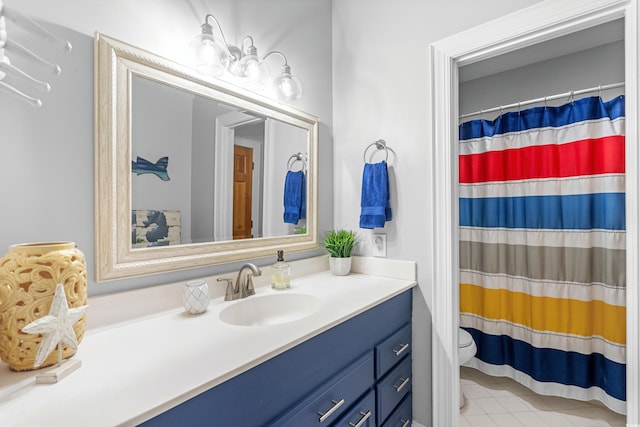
(340,363)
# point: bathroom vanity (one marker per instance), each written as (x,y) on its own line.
(344,358)
(356,371)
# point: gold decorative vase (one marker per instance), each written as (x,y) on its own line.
(29,273)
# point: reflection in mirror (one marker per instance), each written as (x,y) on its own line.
(192,171)
(202,167)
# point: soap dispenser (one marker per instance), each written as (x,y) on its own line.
(281,275)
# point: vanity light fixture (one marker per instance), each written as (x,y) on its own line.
(213,56)
(287,86)
(251,68)
(210,55)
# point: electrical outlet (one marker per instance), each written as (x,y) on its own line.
(380,245)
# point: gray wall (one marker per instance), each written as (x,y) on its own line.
(47,173)
(162,127)
(380,51)
(585,69)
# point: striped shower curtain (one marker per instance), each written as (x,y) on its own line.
(542,248)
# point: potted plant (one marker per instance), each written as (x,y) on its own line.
(339,244)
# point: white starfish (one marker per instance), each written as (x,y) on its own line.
(57,326)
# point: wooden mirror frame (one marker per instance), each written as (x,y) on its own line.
(115,64)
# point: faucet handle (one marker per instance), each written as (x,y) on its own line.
(229,294)
(250,289)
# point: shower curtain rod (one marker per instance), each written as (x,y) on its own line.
(569,94)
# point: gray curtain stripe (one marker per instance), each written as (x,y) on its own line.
(565,264)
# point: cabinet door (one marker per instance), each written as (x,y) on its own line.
(401,416)
(332,400)
(392,350)
(393,388)
(362,414)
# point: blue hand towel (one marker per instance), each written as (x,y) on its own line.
(374,198)
(303,199)
(293,196)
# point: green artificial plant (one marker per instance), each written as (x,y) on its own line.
(339,243)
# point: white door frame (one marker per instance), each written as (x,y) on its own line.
(223,179)
(537,23)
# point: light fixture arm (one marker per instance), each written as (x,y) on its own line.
(277,52)
(286,69)
(208,29)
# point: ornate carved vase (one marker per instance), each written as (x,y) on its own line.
(29,273)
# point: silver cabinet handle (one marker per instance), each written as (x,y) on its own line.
(364,418)
(404,382)
(327,414)
(405,423)
(401,350)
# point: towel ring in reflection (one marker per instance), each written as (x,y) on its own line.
(380,144)
(297,157)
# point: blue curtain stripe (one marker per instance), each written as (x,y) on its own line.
(551,365)
(591,108)
(572,212)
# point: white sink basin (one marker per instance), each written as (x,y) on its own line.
(270,310)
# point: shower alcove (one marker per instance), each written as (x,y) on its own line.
(546,30)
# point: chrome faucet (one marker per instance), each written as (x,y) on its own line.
(241,289)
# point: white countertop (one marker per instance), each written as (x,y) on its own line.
(134,370)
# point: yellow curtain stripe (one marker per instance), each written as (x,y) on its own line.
(562,315)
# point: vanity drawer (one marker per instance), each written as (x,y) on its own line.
(392,350)
(401,416)
(393,388)
(362,414)
(334,398)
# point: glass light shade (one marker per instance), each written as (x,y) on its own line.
(209,55)
(288,87)
(254,71)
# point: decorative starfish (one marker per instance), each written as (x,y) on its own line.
(57,326)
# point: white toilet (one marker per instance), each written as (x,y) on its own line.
(466,350)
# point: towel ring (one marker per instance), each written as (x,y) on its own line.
(297,157)
(380,144)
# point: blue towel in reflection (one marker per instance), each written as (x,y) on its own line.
(303,201)
(374,198)
(294,197)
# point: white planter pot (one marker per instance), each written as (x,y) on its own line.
(340,266)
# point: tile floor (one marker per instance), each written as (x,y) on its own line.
(502,402)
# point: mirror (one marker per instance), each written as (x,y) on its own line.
(192,171)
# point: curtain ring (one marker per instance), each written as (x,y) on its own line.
(518,108)
(571,97)
(599,91)
(545,102)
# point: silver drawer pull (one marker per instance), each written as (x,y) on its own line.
(404,382)
(327,414)
(401,350)
(364,418)
(405,423)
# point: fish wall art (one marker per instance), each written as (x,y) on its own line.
(143,166)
